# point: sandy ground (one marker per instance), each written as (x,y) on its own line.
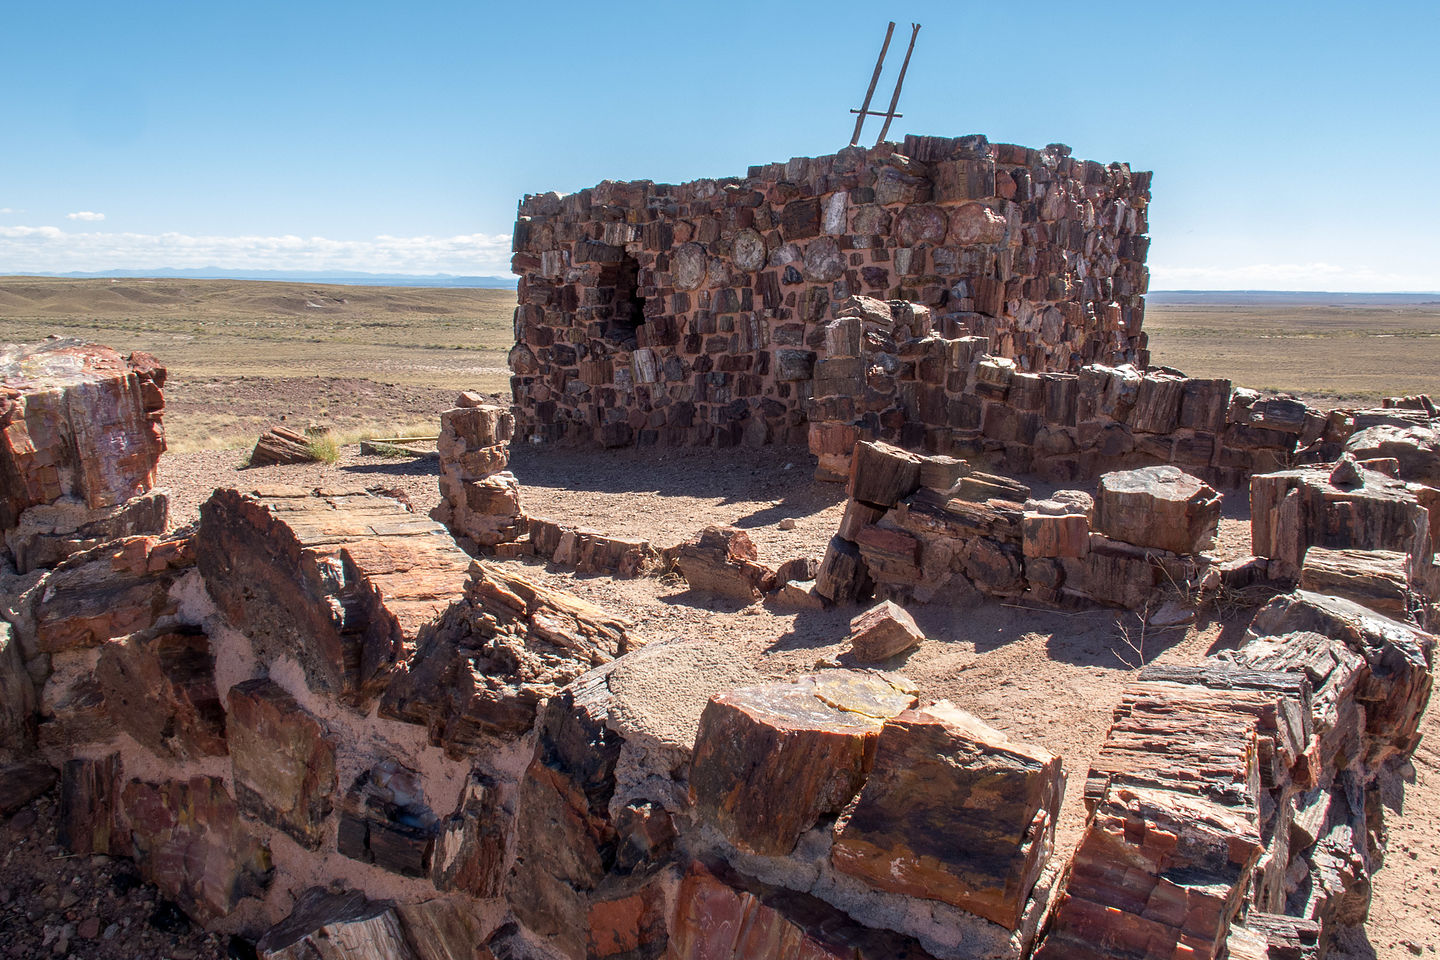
(1047,677)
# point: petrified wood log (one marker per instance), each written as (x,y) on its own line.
(771,760)
(982,487)
(340,580)
(1281,937)
(1185,738)
(596,803)
(1278,702)
(953,810)
(723,561)
(440,929)
(891,556)
(17,698)
(1335,673)
(72,708)
(22,782)
(77,420)
(487,510)
(1416,447)
(622,557)
(1115,573)
(470,850)
(483,668)
(857,517)
(1396,687)
(48,533)
(843,577)
(1157,404)
(189,840)
(283,760)
(883,631)
(345,925)
(109,591)
(1051,535)
(474,440)
(883,475)
(280,445)
(1157,875)
(1161,507)
(720,915)
(832,444)
(1293,510)
(384,820)
(89,803)
(941,473)
(160,689)
(1372,578)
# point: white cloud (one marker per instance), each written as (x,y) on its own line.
(4,210)
(87,215)
(53,250)
(1290,276)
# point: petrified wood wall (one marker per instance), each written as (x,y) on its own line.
(657,313)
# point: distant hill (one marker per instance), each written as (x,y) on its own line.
(344,277)
(1276,298)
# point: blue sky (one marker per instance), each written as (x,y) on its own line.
(1293,144)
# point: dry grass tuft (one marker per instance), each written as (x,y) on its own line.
(324,448)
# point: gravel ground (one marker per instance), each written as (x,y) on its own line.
(89,908)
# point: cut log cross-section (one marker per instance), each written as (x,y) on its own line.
(339,580)
(771,760)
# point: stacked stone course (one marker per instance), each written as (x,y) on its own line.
(887,378)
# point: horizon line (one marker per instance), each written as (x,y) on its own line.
(220,273)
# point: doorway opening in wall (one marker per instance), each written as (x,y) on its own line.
(627,307)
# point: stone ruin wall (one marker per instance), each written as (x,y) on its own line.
(887,377)
(652,313)
(954,297)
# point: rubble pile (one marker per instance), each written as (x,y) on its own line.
(80,434)
(929,528)
(315,720)
(1239,801)
(320,686)
(1352,529)
(310,685)
(655,313)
